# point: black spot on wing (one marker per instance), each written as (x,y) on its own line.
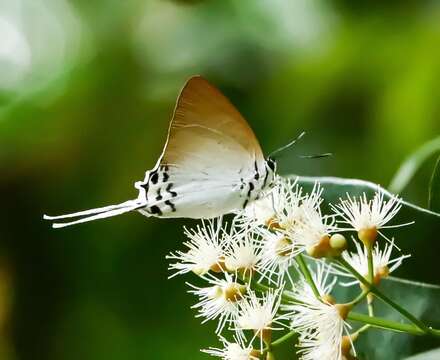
(265,178)
(168,189)
(155,210)
(171,205)
(242,184)
(248,195)
(251,188)
(159,196)
(257,174)
(146,186)
(154,177)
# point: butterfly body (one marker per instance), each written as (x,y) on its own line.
(211,164)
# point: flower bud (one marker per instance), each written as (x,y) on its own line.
(255,353)
(346,345)
(338,242)
(284,247)
(327,298)
(270,356)
(265,335)
(344,310)
(320,250)
(380,273)
(219,266)
(234,292)
(368,236)
(272,223)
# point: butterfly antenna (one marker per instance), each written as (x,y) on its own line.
(95,214)
(287,145)
(315,156)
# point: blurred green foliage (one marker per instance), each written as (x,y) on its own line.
(86,91)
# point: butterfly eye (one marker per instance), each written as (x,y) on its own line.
(271,164)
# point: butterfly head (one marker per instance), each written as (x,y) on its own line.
(271,168)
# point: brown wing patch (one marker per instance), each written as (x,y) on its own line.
(202,116)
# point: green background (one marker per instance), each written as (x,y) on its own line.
(86,93)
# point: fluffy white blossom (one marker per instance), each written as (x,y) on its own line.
(205,250)
(368,216)
(259,314)
(383,263)
(277,255)
(266,210)
(287,209)
(236,350)
(218,300)
(314,229)
(242,253)
(301,219)
(320,324)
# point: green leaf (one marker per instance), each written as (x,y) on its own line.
(410,166)
(428,355)
(421,300)
(434,188)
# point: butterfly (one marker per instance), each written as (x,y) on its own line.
(211,164)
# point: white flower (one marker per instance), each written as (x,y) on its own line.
(319,323)
(382,262)
(233,350)
(260,315)
(314,229)
(264,211)
(368,216)
(205,249)
(219,300)
(300,218)
(277,255)
(287,209)
(242,253)
(301,227)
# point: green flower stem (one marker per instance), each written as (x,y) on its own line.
(362,329)
(283,339)
(284,295)
(370,277)
(370,308)
(359,298)
(307,275)
(384,298)
(390,325)
(370,264)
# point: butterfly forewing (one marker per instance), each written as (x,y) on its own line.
(205,122)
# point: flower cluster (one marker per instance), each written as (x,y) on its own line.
(274,266)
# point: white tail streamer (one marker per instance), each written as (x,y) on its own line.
(95,214)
